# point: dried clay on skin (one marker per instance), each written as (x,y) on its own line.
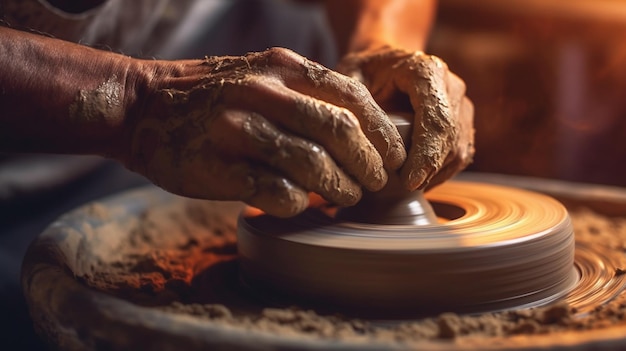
(353,146)
(102,103)
(360,101)
(184,128)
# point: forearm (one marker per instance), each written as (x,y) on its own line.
(368,24)
(61,97)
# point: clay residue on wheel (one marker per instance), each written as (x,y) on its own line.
(159,254)
(181,259)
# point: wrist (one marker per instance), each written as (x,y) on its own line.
(139,85)
(101,109)
(144,100)
(60,97)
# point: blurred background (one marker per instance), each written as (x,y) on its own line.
(548,80)
(547,77)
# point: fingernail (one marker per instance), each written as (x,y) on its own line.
(378,179)
(350,196)
(396,156)
(416,179)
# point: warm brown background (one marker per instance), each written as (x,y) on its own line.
(548,79)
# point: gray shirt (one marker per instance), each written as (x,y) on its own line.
(172,29)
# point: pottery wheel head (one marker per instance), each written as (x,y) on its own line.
(492,248)
(481,248)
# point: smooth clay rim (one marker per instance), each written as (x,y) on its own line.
(65,310)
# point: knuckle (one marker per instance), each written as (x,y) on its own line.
(249,89)
(263,134)
(345,124)
(428,65)
(355,88)
(282,56)
(286,151)
(316,156)
(436,61)
(256,84)
(317,162)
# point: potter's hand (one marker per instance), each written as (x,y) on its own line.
(265,128)
(443,136)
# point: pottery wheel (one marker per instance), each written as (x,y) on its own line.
(146,269)
(492,248)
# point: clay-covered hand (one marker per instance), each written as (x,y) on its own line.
(442,140)
(265,128)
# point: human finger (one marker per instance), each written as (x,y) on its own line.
(277,195)
(249,135)
(336,129)
(463,152)
(215,174)
(434,129)
(313,79)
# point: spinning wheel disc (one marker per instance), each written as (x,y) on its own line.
(494,248)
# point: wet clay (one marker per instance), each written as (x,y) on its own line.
(182,260)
